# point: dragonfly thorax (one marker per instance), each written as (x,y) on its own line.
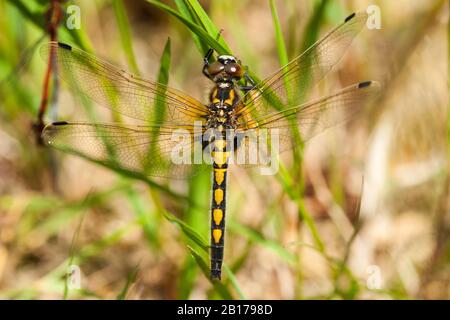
(223,98)
(222,102)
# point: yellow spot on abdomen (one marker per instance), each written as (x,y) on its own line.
(220,144)
(220,157)
(219,175)
(218,196)
(217,234)
(217,216)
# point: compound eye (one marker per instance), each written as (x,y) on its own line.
(215,68)
(234,70)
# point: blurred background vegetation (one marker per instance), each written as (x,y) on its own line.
(363,214)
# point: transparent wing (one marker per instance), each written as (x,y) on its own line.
(151,150)
(122,92)
(308,119)
(289,86)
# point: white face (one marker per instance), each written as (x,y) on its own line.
(225,57)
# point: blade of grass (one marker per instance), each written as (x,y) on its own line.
(132,276)
(88,251)
(234,282)
(163,78)
(37,18)
(130,174)
(76,35)
(198,30)
(287,184)
(279,40)
(281,47)
(110,239)
(163,75)
(145,218)
(125,34)
(187,276)
(313,27)
(219,287)
(62,212)
(199,186)
(202,34)
(188,231)
(72,251)
(160,109)
(186,12)
(258,238)
(205,21)
(239,262)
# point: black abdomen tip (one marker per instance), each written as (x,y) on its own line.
(364,84)
(350,17)
(60,123)
(64,46)
(215,275)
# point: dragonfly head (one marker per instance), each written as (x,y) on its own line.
(225,69)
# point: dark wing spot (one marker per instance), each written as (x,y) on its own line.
(350,17)
(364,84)
(64,46)
(60,123)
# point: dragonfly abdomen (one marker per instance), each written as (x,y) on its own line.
(220,157)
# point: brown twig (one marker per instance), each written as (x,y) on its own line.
(53,18)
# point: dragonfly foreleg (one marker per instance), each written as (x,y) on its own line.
(249,84)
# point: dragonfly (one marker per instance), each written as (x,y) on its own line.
(278,104)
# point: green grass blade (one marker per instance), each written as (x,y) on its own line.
(202,16)
(62,212)
(72,253)
(281,47)
(201,33)
(88,251)
(198,30)
(125,34)
(130,280)
(187,276)
(234,282)
(186,12)
(163,78)
(258,238)
(163,75)
(35,17)
(160,107)
(219,287)
(130,174)
(199,186)
(188,231)
(312,29)
(205,21)
(146,219)
(110,239)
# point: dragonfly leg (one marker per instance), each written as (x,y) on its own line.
(206,59)
(249,79)
(208,56)
(249,84)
